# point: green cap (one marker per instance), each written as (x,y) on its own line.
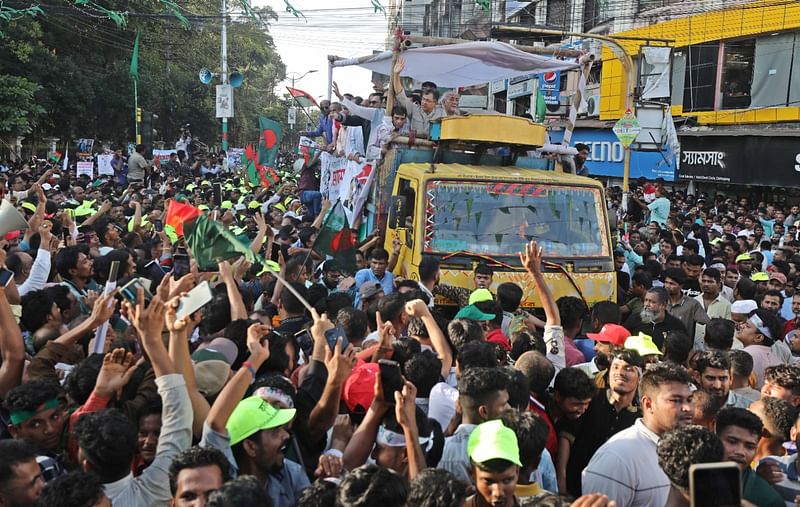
(254,205)
(480,295)
(759,276)
(226,205)
(472,312)
(492,440)
(643,344)
(254,414)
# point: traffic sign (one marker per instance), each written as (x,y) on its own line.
(627,128)
(291,116)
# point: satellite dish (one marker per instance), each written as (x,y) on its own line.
(205,76)
(236,79)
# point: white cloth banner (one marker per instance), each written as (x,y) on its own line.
(332,177)
(471,63)
(104,164)
(359,179)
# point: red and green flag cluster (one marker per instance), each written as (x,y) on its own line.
(261,163)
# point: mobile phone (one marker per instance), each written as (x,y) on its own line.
(715,485)
(194,300)
(159,225)
(130,291)
(6,275)
(391,378)
(180,265)
(217,192)
(332,335)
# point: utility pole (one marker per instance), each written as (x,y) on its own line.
(224,71)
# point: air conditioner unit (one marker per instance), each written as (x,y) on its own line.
(562,109)
(591,105)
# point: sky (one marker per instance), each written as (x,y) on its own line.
(345,28)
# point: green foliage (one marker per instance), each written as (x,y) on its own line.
(67,72)
(19,111)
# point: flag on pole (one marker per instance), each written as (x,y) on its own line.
(336,239)
(178,214)
(303,99)
(541,107)
(135,60)
(65,165)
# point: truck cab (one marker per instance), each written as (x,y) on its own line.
(479,197)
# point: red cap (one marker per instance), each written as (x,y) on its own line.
(359,388)
(611,333)
(12,235)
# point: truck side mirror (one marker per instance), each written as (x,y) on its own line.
(397,212)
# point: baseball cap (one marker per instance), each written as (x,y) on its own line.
(219,348)
(292,215)
(778,276)
(480,295)
(759,276)
(369,289)
(359,388)
(610,333)
(226,205)
(493,440)
(643,344)
(211,376)
(743,257)
(254,414)
(472,312)
(744,306)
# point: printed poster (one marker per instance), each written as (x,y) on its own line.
(86,168)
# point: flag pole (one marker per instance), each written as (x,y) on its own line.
(136,111)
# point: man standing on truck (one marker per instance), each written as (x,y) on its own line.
(422,114)
(376,272)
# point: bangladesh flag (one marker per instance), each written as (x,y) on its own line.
(336,239)
(179,213)
(270,141)
(303,99)
(258,175)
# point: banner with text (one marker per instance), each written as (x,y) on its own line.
(747,160)
(332,176)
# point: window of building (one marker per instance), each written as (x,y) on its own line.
(737,74)
(699,87)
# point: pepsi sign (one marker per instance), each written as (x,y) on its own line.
(549,87)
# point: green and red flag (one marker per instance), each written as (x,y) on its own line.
(261,164)
(178,214)
(210,243)
(337,240)
(303,99)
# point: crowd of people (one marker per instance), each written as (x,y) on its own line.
(321,387)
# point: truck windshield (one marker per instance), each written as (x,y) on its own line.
(498,218)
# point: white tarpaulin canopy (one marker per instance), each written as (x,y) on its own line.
(454,65)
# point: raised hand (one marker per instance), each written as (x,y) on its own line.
(102,309)
(174,324)
(340,363)
(532,258)
(257,343)
(405,406)
(117,370)
(336,91)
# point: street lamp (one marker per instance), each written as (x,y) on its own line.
(296,76)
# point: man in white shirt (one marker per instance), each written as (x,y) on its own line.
(626,467)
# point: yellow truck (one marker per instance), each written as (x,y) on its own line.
(477,197)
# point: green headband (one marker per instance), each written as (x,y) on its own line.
(20,416)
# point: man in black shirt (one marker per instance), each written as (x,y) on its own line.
(654,320)
(610,411)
